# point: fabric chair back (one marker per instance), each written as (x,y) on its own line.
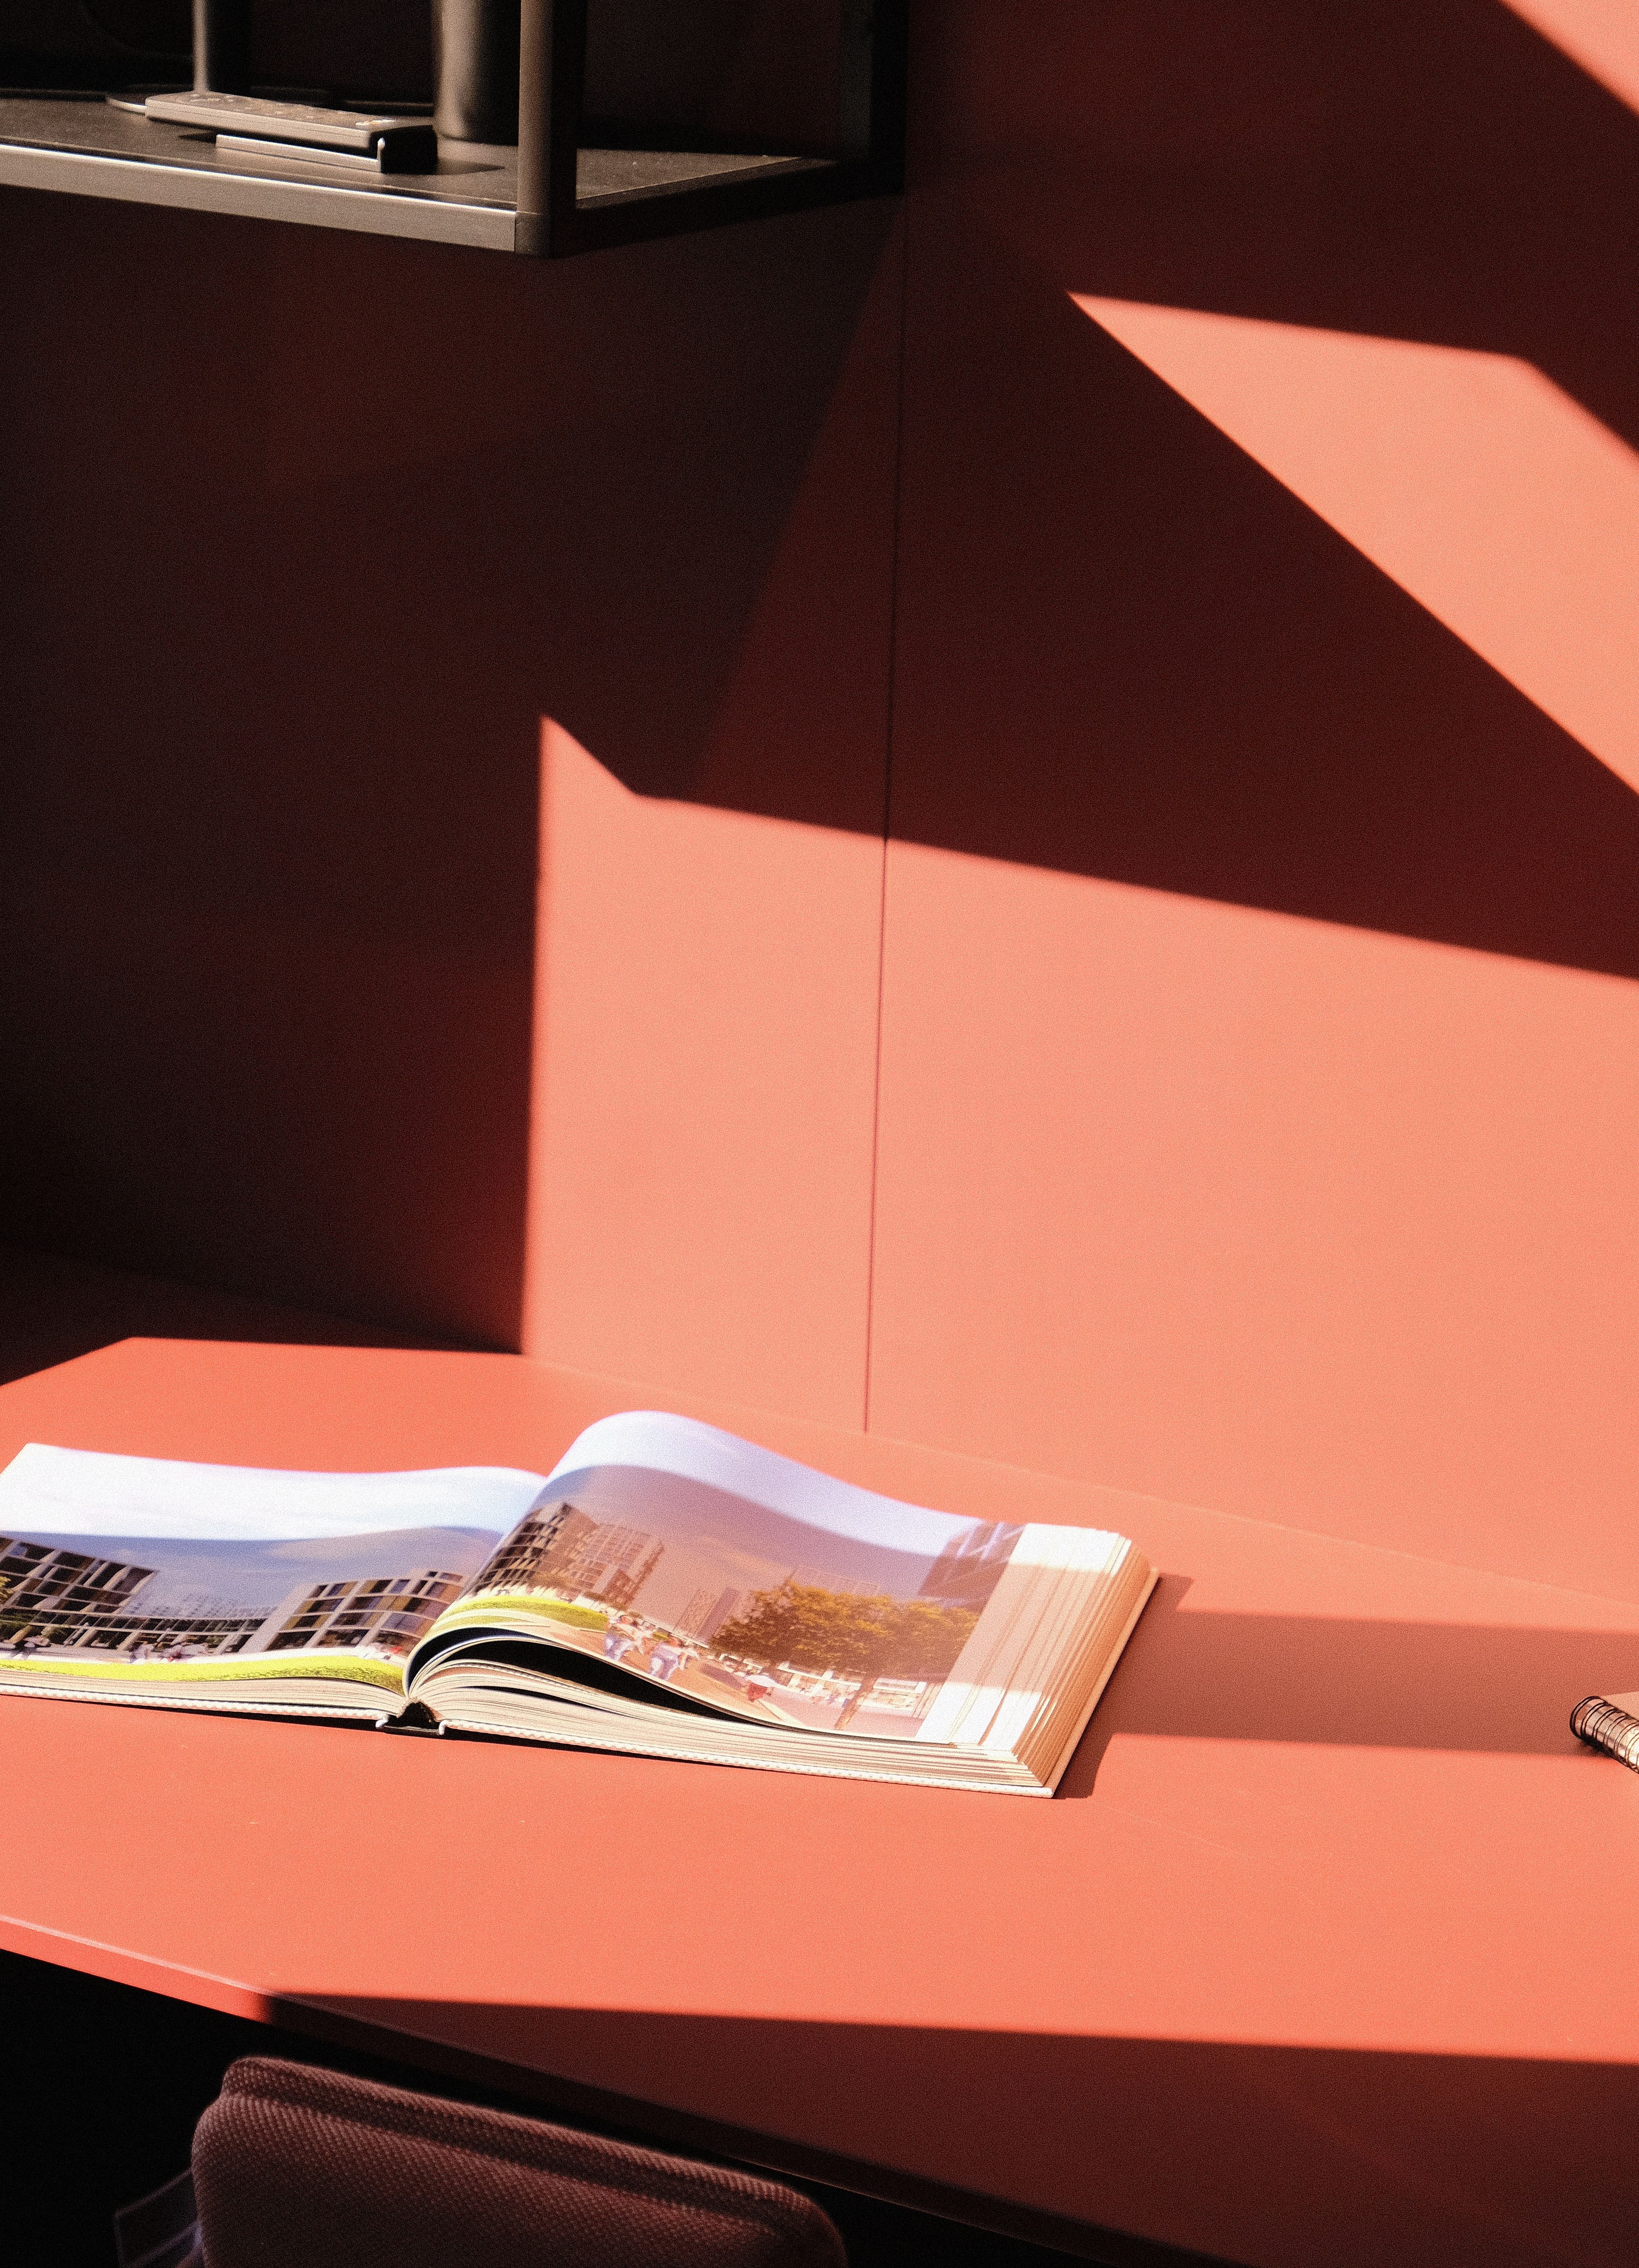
(300,2168)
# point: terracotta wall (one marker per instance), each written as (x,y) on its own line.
(1260,1038)
(305,535)
(453,883)
(1259,1050)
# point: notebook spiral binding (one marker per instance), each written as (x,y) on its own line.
(1604,1726)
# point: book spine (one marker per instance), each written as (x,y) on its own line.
(1604,1726)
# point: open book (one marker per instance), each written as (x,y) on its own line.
(667,1590)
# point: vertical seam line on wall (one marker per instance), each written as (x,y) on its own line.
(887,774)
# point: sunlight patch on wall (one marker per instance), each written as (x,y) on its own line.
(703,1095)
(1486,492)
(1601,35)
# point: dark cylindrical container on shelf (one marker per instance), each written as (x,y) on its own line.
(474,62)
(221,46)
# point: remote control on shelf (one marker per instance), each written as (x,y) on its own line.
(398,145)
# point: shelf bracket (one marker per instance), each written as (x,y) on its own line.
(221,46)
(551,74)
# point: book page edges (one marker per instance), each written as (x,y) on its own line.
(1023,1642)
(204,1699)
(1051,1777)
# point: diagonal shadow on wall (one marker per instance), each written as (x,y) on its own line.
(1125,651)
(1446,174)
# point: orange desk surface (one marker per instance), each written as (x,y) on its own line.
(1320,1955)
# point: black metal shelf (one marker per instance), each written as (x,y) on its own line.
(548,196)
(90,149)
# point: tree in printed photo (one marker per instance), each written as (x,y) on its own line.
(864,1639)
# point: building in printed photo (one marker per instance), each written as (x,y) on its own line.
(559,1547)
(613,1564)
(42,1587)
(53,1598)
(968,1568)
(204,1632)
(708,1611)
(537,1551)
(840,1586)
(385,1611)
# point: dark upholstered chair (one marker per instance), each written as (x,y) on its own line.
(297,2167)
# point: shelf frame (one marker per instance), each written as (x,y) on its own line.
(567,200)
(552,55)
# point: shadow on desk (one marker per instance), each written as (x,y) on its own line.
(1222,2151)
(117,2078)
(53,1308)
(1481,1687)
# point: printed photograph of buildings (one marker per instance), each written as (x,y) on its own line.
(157,1598)
(731,1604)
(791,1610)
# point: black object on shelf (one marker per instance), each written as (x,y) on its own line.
(475,70)
(221,46)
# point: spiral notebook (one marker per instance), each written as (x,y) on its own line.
(1610,1722)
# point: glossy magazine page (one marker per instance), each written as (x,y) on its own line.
(665,1561)
(166,1580)
(667,1590)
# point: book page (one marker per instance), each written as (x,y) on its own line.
(664,1554)
(146,1571)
